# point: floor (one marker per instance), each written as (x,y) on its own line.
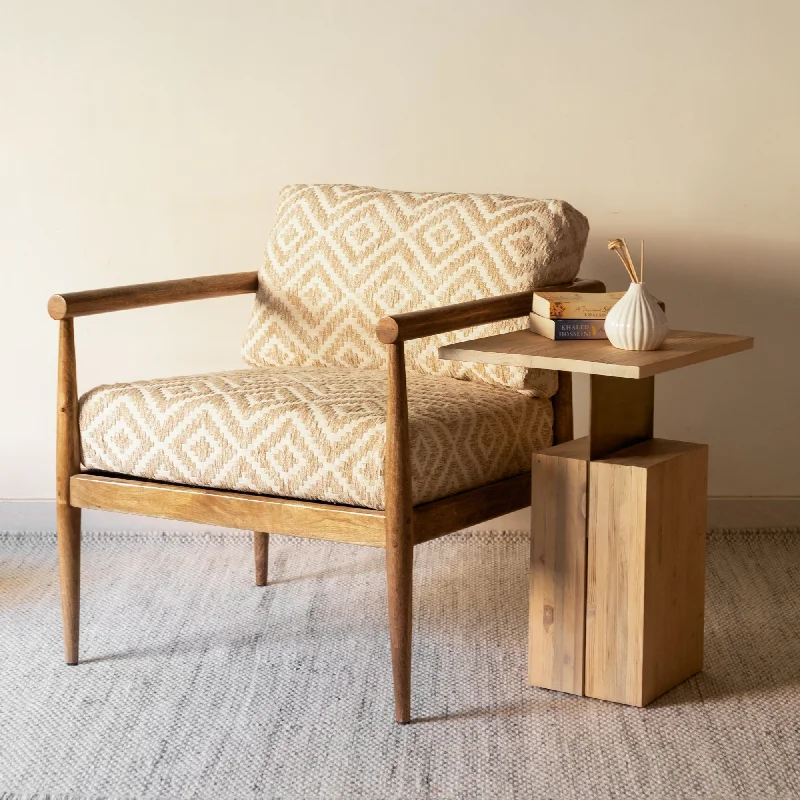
(194,683)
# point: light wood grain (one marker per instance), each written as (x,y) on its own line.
(399,529)
(261,556)
(68,519)
(645,581)
(440,517)
(598,356)
(621,413)
(121,298)
(432,321)
(615,584)
(675,561)
(558,567)
(229,509)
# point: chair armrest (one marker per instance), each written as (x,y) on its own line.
(431,321)
(141,295)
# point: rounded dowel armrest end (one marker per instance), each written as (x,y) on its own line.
(143,295)
(387,330)
(57,307)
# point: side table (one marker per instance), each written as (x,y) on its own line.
(618,523)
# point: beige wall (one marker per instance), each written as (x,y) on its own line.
(148,140)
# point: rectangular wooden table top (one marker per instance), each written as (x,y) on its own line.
(596,356)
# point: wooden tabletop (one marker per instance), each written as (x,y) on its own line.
(596,356)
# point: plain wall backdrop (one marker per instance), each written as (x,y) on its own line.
(148,140)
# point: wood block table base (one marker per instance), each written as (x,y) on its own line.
(618,522)
(617,569)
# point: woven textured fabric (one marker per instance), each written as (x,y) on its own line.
(341,257)
(194,684)
(316,434)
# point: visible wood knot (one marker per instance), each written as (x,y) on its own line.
(547,617)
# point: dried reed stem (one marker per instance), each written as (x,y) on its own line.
(626,265)
(617,246)
(641,263)
(630,261)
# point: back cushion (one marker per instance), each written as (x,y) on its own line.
(341,257)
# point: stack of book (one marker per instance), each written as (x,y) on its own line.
(572,315)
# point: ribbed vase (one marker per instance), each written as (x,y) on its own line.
(637,321)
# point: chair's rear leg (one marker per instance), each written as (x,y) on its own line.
(399,578)
(261,555)
(69,569)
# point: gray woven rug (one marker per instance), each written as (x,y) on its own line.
(194,683)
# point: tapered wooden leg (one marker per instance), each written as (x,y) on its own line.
(399,575)
(67,465)
(261,555)
(399,531)
(69,569)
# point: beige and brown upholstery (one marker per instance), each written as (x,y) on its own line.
(342,427)
(309,432)
(309,422)
(341,257)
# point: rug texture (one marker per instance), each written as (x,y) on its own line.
(196,684)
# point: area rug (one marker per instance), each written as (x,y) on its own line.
(196,684)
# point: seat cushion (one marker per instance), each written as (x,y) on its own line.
(317,434)
(341,257)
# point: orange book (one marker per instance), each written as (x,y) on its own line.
(574,305)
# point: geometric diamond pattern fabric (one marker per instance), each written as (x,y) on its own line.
(310,433)
(341,257)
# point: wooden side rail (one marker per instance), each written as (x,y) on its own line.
(291,517)
(228,508)
(431,321)
(440,517)
(141,295)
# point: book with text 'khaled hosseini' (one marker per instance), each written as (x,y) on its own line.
(559,329)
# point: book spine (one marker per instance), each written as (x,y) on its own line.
(576,309)
(581,310)
(579,329)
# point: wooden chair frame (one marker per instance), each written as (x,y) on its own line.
(398,529)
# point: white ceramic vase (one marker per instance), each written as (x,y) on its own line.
(637,321)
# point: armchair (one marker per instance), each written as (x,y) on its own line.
(398,524)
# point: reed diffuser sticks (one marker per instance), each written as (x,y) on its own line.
(641,264)
(620,247)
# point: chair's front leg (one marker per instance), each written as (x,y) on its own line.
(68,519)
(399,531)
